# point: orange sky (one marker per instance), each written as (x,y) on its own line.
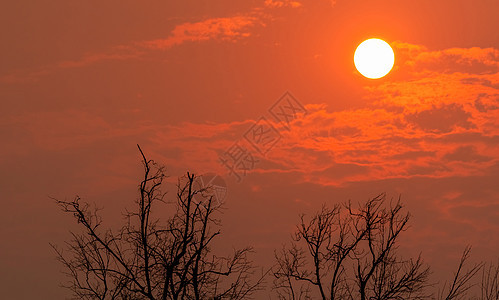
(82,82)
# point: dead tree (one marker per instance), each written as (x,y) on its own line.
(151,258)
(490,282)
(461,282)
(350,253)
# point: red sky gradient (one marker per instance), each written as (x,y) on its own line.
(82,82)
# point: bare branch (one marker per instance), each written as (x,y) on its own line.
(461,281)
(351,254)
(490,282)
(151,258)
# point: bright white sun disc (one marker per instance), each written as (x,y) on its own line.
(374,58)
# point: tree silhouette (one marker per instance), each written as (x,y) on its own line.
(350,253)
(490,282)
(151,258)
(460,285)
(344,252)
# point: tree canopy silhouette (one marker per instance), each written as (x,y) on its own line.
(344,252)
(350,253)
(152,258)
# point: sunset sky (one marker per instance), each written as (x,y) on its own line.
(83,82)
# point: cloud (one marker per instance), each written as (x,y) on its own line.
(69,129)
(425,121)
(231,29)
(118,53)
(441,119)
(286,3)
(465,154)
(113,54)
(473,60)
(226,29)
(418,122)
(332,148)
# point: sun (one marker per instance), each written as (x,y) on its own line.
(374,58)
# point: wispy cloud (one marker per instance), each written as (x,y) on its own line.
(436,116)
(116,53)
(226,29)
(286,3)
(425,122)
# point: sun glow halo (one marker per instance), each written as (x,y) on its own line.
(374,58)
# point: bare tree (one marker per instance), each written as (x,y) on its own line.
(461,282)
(350,253)
(490,282)
(151,259)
